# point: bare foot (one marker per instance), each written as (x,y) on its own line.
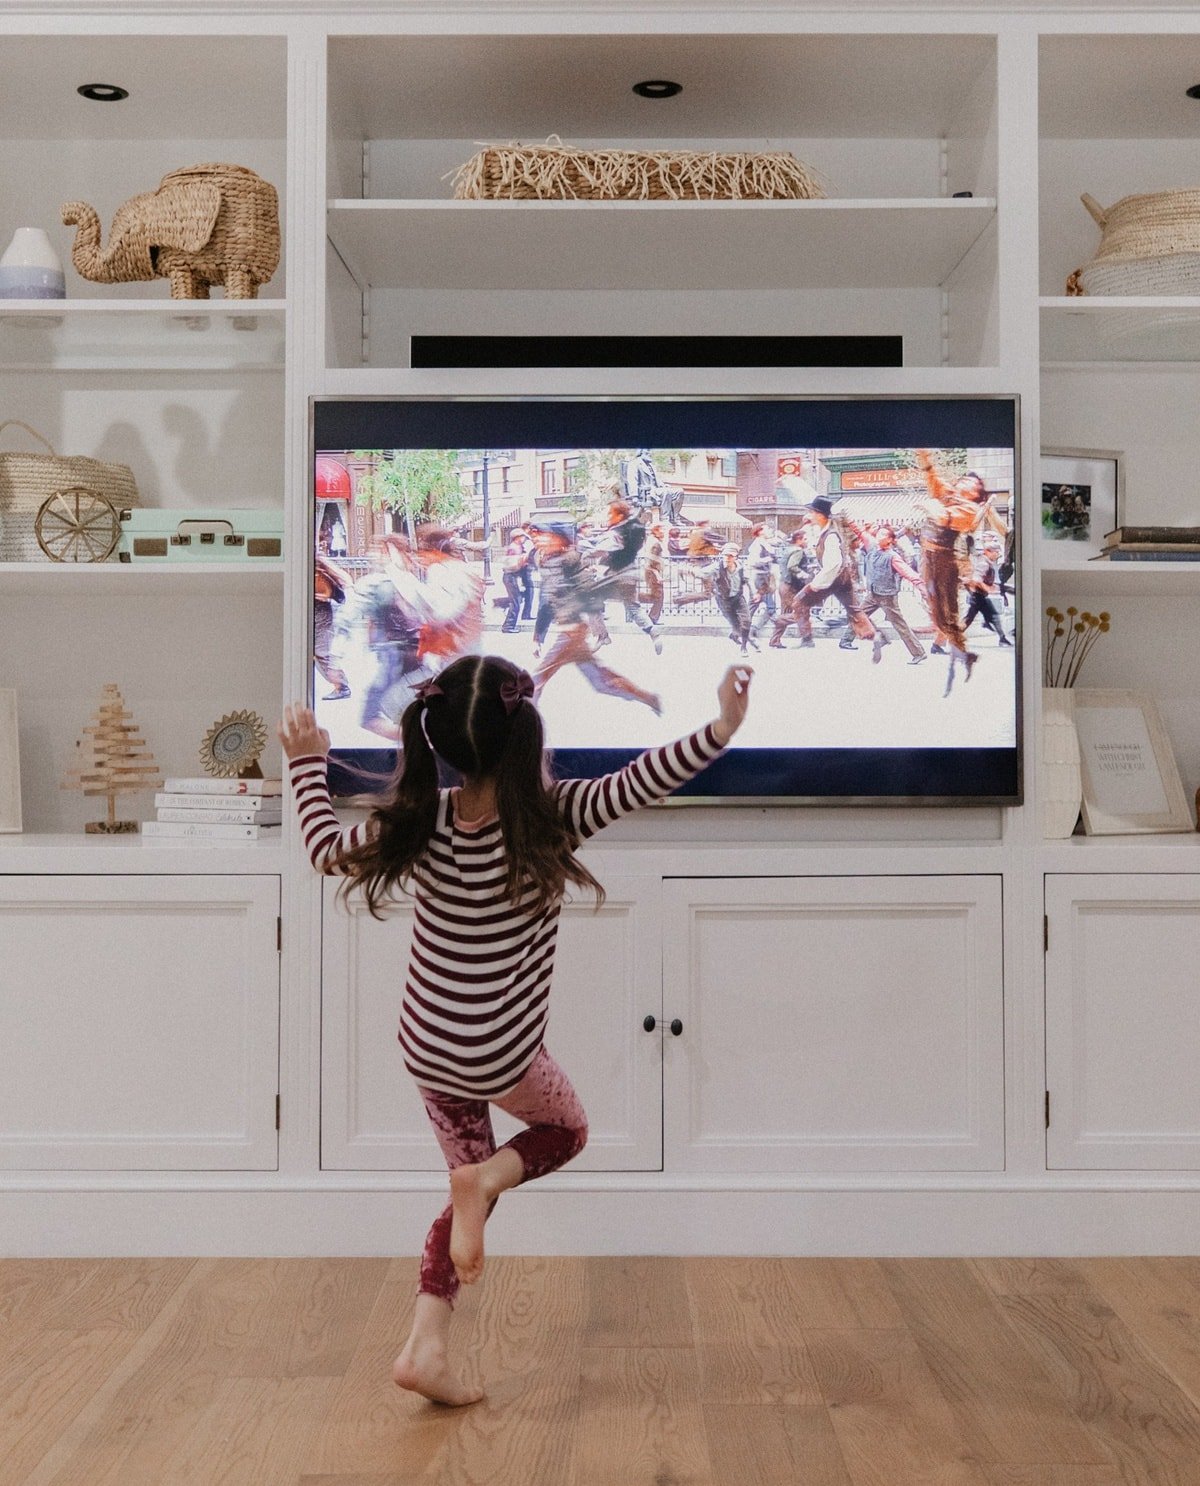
(472,1203)
(422,1368)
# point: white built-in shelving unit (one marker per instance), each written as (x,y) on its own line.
(998,988)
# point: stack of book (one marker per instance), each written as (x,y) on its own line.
(215,810)
(1152,544)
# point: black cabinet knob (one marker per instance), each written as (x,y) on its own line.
(676,1027)
(649,1024)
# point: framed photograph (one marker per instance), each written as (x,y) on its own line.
(1130,782)
(10,764)
(1083,497)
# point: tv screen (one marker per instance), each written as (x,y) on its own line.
(859,553)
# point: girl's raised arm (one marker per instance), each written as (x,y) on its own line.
(307,748)
(592,804)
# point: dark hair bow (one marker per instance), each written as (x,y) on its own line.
(427,689)
(516,689)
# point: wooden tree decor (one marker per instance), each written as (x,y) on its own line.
(113,760)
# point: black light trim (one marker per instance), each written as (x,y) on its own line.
(103,92)
(657,87)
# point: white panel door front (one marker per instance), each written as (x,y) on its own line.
(833,1024)
(139,1018)
(1123,1021)
(607,979)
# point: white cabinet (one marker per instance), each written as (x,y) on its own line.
(790,1015)
(834,1024)
(1123,1021)
(139,1018)
(606,982)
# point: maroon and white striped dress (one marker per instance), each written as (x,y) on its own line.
(476,994)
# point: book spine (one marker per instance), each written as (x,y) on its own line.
(225,816)
(179,829)
(220,802)
(1120,555)
(1170,534)
(1153,547)
(223,787)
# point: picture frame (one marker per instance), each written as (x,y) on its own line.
(10,765)
(1131,785)
(1082,497)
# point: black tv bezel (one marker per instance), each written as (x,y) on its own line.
(1005,766)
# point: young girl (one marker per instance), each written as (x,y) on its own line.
(487,863)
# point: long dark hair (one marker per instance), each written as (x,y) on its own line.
(464,720)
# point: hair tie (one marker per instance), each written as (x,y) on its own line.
(516,689)
(427,689)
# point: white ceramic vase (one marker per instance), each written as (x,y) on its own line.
(1060,780)
(30,268)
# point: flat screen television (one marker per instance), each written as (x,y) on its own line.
(859,553)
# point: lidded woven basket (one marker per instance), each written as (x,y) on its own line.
(1148,245)
(26,480)
(557,172)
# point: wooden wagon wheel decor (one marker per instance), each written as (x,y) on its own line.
(231,747)
(77,525)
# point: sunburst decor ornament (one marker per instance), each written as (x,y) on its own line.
(232,746)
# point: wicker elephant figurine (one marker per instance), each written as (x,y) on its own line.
(204,225)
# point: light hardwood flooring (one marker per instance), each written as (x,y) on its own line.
(606,1372)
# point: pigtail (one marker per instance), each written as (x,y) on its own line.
(399,827)
(538,844)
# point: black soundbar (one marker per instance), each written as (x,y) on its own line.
(492,351)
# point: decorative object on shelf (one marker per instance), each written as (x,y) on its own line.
(77,525)
(28,481)
(232,746)
(1078,631)
(30,268)
(555,172)
(1060,780)
(115,761)
(1130,782)
(205,224)
(200,536)
(1083,498)
(10,764)
(1152,544)
(1148,245)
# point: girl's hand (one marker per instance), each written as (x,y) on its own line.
(734,697)
(299,733)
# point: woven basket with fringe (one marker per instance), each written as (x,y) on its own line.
(557,172)
(26,480)
(1148,245)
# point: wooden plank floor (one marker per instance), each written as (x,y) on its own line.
(606,1372)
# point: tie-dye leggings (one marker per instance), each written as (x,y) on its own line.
(545,1101)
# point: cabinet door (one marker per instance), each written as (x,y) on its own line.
(139,1018)
(1123,1021)
(834,1024)
(607,978)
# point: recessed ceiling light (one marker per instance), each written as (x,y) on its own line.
(657,87)
(1194,91)
(103,92)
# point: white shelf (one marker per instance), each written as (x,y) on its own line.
(1123,579)
(1119,328)
(111,578)
(66,852)
(899,243)
(106,335)
(1177,852)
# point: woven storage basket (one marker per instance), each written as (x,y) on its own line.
(26,480)
(1148,245)
(557,172)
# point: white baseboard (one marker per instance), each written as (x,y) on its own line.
(872,1223)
